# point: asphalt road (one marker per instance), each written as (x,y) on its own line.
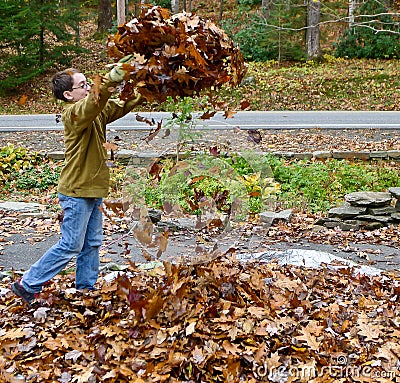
(245,120)
(19,253)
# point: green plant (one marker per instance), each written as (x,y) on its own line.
(205,183)
(16,159)
(182,121)
(318,186)
(39,178)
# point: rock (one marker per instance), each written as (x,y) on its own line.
(56,155)
(347,155)
(394,154)
(395,192)
(318,228)
(397,205)
(378,218)
(248,80)
(346,212)
(325,220)
(124,155)
(319,154)
(378,154)
(309,258)
(385,210)
(167,225)
(350,225)
(395,216)
(343,225)
(22,206)
(373,199)
(368,225)
(270,217)
(154,215)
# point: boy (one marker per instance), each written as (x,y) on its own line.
(83,182)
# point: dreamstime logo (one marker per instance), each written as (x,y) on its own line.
(341,370)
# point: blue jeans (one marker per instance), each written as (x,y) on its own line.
(81,237)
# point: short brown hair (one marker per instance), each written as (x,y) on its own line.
(63,81)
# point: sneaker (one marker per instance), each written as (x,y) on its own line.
(19,290)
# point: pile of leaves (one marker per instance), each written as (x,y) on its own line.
(175,56)
(216,320)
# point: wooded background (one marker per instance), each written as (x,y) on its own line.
(36,35)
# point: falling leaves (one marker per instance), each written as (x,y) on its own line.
(175,55)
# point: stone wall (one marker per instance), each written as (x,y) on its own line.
(365,210)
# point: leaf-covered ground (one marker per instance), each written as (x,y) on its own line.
(214,320)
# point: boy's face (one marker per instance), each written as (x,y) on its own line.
(80,88)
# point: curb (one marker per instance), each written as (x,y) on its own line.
(140,158)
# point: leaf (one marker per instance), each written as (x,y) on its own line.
(370,332)
(95,88)
(144,119)
(310,340)
(190,329)
(229,114)
(22,100)
(207,115)
(110,146)
(244,104)
(197,355)
(254,135)
(153,132)
(230,348)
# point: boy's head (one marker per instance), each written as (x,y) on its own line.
(70,85)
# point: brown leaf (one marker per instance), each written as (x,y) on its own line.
(22,100)
(254,135)
(229,114)
(95,88)
(244,104)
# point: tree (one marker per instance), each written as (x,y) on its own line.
(312,32)
(33,37)
(175,6)
(104,20)
(121,12)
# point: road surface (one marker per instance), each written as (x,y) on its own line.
(245,120)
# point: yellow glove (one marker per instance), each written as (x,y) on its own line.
(117,74)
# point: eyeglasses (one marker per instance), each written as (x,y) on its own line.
(84,85)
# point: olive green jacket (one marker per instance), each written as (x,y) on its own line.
(85,172)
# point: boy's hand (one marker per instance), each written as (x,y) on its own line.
(117,74)
(126,59)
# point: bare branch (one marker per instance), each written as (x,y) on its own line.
(361,24)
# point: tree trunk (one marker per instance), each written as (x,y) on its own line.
(175,6)
(266,7)
(121,12)
(104,19)
(312,34)
(351,13)
(221,9)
